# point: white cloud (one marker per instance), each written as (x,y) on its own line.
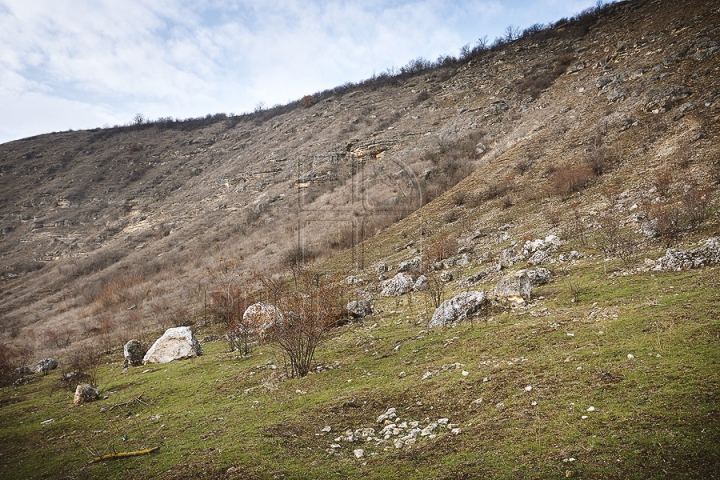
(75,62)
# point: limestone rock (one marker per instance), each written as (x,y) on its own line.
(539,276)
(259,318)
(421,283)
(45,365)
(359,308)
(176,344)
(85,393)
(708,254)
(398,285)
(514,288)
(458,308)
(134,352)
(408,265)
(539,257)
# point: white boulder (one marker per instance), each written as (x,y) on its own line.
(176,344)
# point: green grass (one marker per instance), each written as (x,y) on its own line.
(656,415)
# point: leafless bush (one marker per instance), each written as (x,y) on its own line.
(309,313)
(663,181)
(575,227)
(613,240)
(666,218)
(570,179)
(440,247)
(307,101)
(696,205)
(499,188)
(434,289)
(81,366)
(11,360)
(134,147)
(59,337)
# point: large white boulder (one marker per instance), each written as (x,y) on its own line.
(259,318)
(398,285)
(176,344)
(514,288)
(458,308)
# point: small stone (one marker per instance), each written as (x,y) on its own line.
(359,452)
(631,356)
(591,409)
(326,429)
(584,417)
(456,431)
(528,388)
(427,375)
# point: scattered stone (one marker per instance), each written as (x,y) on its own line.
(356,281)
(400,284)
(85,393)
(421,283)
(359,453)
(359,308)
(458,308)
(662,99)
(474,278)
(538,276)
(446,277)
(326,429)
(176,344)
(539,257)
(382,268)
(408,265)
(514,288)
(49,420)
(708,254)
(45,365)
(134,352)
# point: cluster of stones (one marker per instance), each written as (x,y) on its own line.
(708,254)
(394,432)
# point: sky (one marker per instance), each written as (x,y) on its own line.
(77,64)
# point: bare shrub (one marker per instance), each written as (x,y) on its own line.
(696,205)
(663,181)
(569,179)
(81,366)
(613,240)
(575,228)
(440,247)
(523,165)
(308,101)
(11,360)
(434,289)
(300,254)
(498,188)
(309,313)
(666,218)
(59,337)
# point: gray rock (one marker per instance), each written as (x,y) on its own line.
(472,279)
(408,265)
(400,284)
(661,99)
(708,254)
(176,344)
(24,370)
(259,318)
(359,308)
(510,257)
(45,365)
(618,93)
(458,308)
(85,393)
(437,266)
(134,352)
(421,283)
(538,276)
(539,257)
(446,276)
(514,288)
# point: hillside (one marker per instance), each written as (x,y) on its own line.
(601,131)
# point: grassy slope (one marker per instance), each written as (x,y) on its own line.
(655,415)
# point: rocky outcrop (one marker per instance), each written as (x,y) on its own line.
(514,289)
(176,344)
(400,284)
(458,308)
(408,265)
(708,254)
(134,352)
(85,393)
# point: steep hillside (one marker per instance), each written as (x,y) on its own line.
(585,155)
(112,232)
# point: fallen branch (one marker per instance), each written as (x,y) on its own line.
(113,456)
(137,399)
